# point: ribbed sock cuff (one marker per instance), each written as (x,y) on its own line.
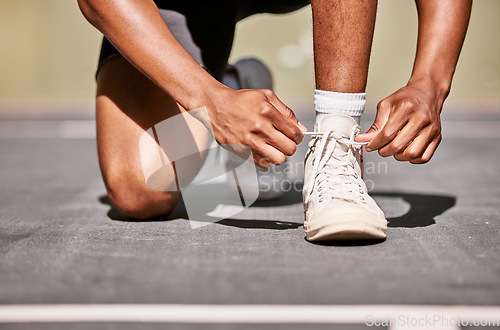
(351,104)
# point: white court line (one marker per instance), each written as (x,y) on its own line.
(85,129)
(249,314)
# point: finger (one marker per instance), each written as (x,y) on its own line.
(302,127)
(395,120)
(270,153)
(368,136)
(286,112)
(278,104)
(417,147)
(428,153)
(394,124)
(285,126)
(261,161)
(383,111)
(281,142)
(409,132)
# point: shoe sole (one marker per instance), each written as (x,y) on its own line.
(347,232)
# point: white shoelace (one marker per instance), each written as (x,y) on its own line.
(335,173)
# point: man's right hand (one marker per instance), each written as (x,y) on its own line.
(257,119)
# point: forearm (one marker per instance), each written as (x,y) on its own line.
(442,28)
(137,30)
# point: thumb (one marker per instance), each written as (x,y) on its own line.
(369,135)
(379,123)
(289,113)
(285,110)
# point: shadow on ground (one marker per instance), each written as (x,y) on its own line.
(180,212)
(423,209)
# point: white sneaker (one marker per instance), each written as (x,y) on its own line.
(336,202)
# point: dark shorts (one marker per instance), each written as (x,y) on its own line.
(206,28)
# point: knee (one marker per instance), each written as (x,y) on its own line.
(142,203)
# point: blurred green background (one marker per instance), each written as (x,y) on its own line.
(49,54)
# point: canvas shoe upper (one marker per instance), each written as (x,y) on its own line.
(336,202)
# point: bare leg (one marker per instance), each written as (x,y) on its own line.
(343,33)
(127,105)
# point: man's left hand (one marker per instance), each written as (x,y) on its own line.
(407,125)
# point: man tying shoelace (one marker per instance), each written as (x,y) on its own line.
(165,57)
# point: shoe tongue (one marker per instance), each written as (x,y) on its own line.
(340,124)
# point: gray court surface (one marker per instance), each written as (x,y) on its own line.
(62,243)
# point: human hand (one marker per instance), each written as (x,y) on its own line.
(407,125)
(257,119)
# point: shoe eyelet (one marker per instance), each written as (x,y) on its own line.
(320,195)
(321,200)
(320,188)
(355,175)
(361,191)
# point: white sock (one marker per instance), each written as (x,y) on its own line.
(351,104)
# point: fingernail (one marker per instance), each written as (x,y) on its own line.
(302,127)
(369,149)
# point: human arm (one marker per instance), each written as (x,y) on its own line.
(407,125)
(255,118)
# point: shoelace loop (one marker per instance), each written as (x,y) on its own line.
(325,151)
